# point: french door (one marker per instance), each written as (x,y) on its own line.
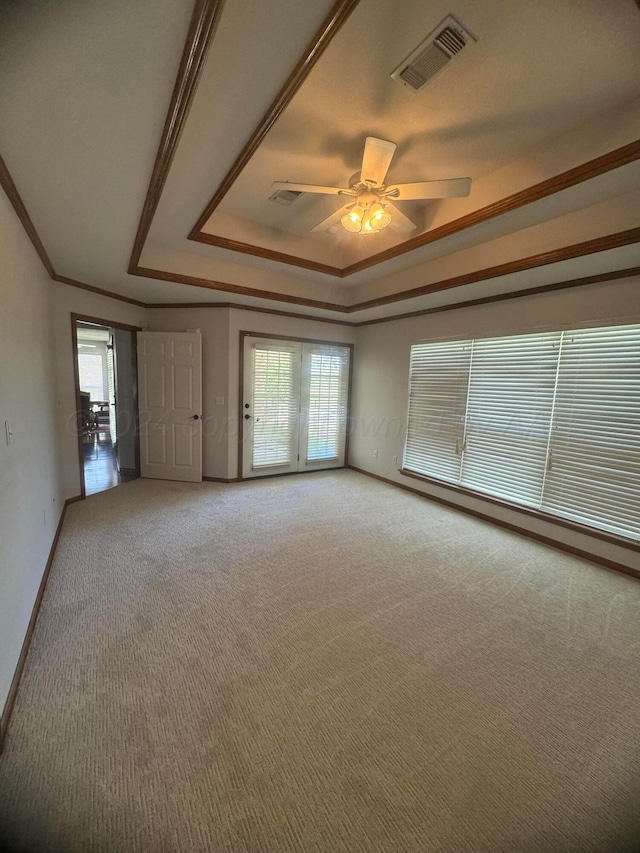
(295,397)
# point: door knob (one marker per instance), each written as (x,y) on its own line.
(194,418)
(246,417)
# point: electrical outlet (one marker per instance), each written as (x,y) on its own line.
(375,454)
(394,460)
(219,401)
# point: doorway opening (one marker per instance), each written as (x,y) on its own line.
(105,366)
(294,401)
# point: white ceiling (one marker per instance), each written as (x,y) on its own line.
(491,105)
(85,86)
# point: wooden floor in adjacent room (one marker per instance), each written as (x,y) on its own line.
(321,663)
(101,470)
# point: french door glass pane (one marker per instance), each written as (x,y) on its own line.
(275,405)
(328,375)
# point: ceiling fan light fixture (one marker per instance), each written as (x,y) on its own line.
(352,220)
(379,216)
(367,219)
(372,210)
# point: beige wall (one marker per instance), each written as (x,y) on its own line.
(381,379)
(68,300)
(220,329)
(31,493)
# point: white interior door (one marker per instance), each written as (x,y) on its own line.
(170,403)
(294,406)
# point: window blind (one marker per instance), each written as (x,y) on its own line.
(327,405)
(275,405)
(509,404)
(438,383)
(594,461)
(91,375)
(550,421)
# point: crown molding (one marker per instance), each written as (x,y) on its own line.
(7,184)
(262,252)
(576,250)
(570,178)
(204,21)
(15,199)
(614,275)
(318,44)
(72,282)
(614,159)
(563,253)
(210,284)
(240,307)
(553,256)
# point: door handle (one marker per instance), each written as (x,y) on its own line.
(194,418)
(246,417)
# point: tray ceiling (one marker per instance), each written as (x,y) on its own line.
(546,129)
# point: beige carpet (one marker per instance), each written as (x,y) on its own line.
(321,663)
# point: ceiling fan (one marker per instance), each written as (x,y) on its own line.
(371,209)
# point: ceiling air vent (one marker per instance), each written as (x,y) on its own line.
(285,197)
(433,54)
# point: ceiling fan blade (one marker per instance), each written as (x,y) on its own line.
(307,188)
(376,159)
(400,222)
(332,220)
(454,188)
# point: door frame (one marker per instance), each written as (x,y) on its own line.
(98,321)
(273,337)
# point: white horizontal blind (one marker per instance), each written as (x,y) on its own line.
(594,464)
(91,375)
(509,406)
(438,380)
(551,421)
(328,377)
(275,404)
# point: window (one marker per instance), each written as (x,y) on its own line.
(549,421)
(91,374)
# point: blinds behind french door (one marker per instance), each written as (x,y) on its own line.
(328,377)
(275,404)
(551,421)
